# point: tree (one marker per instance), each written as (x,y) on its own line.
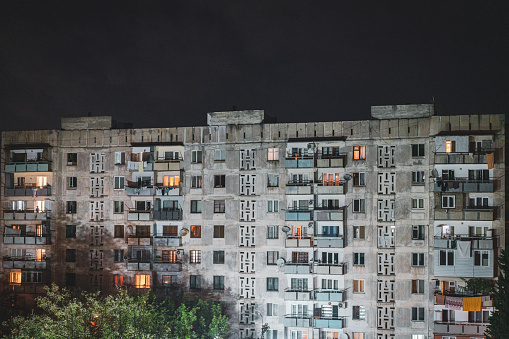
(121,315)
(499,324)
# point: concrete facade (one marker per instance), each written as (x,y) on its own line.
(320,229)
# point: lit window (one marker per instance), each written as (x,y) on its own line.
(358,286)
(273,154)
(219,206)
(171,181)
(417,259)
(450,146)
(359,152)
(142,281)
(358,259)
(195,256)
(358,335)
(195,231)
(15,278)
(448,201)
(118,279)
(417,313)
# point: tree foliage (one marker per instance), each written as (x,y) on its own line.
(499,320)
(121,315)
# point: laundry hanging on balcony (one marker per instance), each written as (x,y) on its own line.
(453,303)
(490,160)
(463,249)
(472,304)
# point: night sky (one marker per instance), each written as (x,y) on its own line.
(168,63)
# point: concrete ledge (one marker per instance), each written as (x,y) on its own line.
(403,111)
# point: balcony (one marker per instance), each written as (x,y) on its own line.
(336,215)
(328,295)
(339,189)
(297,295)
(458,158)
(166,266)
(139,240)
(28,262)
(460,328)
(464,185)
(167,165)
(26,215)
(140,191)
(337,162)
(303,189)
(28,238)
(139,215)
(162,190)
(169,241)
(299,215)
(29,288)
(27,191)
(480,214)
(299,162)
(36,166)
(328,322)
(298,242)
(297,321)
(328,241)
(329,268)
(168,214)
(134,166)
(477,242)
(297,268)
(139,265)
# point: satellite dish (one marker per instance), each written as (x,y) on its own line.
(310,224)
(179,252)
(434,173)
(280,262)
(184,231)
(285,229)
(343,336)
(347,176)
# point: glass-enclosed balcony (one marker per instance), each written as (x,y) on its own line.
(168,214)
(299,162)
(26,215)
(297,295)
(468,213)
(296,320)
(298,215)
(335,322)
(24,262)
(328,295)
(164,240)
(322,268)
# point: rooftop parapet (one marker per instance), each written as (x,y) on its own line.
(402,111)
(249,117)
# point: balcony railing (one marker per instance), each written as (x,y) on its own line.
(142,215)
(459,158)
(322,268)
(329,241)
(296,241)
(459,328)
(297,295)
(26,215)
(35,166)
(336,215)
(26,191)
(332,322)
(139,191)
(27,262)
(27,238)
(166,266)
(299,162)
(477,242)
(481,214)
(299,215)
(298,268)
(165,240)
(168,214)
(328,295)
(295,320)
(464,185)
(139,240)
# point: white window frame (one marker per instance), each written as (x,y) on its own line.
(219,155)
(118,183)
(418,203)
(359,258)
(272,309)
(196,156)
(272,232)
(273,154)
(418,259)
(448,201)
(418,177)
(361,206)
(119,158)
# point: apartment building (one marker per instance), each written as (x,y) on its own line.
(346,229)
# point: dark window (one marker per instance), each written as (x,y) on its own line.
(72,159)
(272,284)
(70,231)
(195,206)
(170,231)
(118,255)
(417,313)
(219,181)
(359,179)
(417,259)
(418,286)
(70,279)
(417,177)
(218,257)
(417,150)
(418,232)
(219,206)
(272,257)
(70,255)
(119,231)
(358,259)
(195,282)
(218,231)
(219,282)
(71,207)
(72,182)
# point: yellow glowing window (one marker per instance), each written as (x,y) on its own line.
(118,279)
(171,181)
(38,230)
(450,146)
(142,281)
(359,152)
(15,278)
(40,254)
(42,182)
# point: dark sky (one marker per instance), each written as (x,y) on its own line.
(168,63)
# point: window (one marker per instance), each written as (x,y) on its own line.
(70,231)
(358,259)
(417,150)
(480,175)
(358,286)
(196,181)
(272,257)
(72,182)
(196,156)
(195,231)
(299,334)
(70,255)
(359,232)
(218,231)
(195,282)
(272,284)
(218,257)
(195,256)
(417,259)
(119,231)
(72,159)
(272,205)
(358,313)
(422,336)
(359,179)
(15,278)
(478,202)
(481,258)
(418,177)
(359,206)
(219,206)
(172,181)
(119,158)
(219,155)
(300,257)
(417,313)
(118,207)
(417,286)
(219,282)
(273,154)
(142,281)
(70,279)
(118,255)
(450,146)
(359,152)
(418,232)
(448,201)
(118,183)
(31,277)
(195,206)
(272,232)
(219,181)
(272,309)
(448,174)
(71,207)
(272,180)
(358,335)
(171,155)
(170,230)
(418,203)
(118,280)
(478,316)
(300,284)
